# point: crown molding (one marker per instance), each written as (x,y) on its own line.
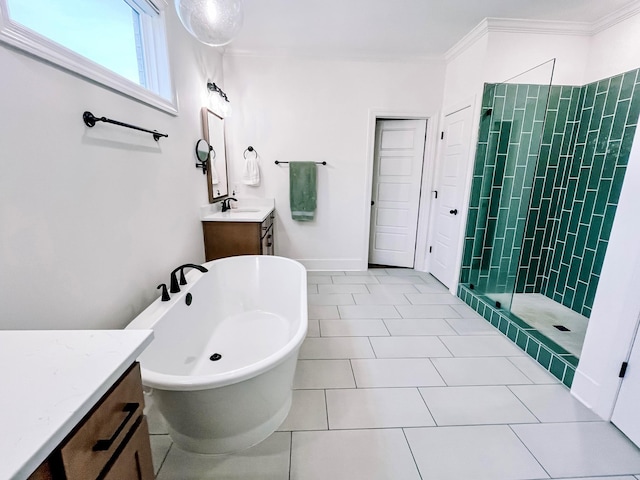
(616,17)
(541,27)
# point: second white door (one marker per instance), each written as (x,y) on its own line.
(451,179)
(397,176)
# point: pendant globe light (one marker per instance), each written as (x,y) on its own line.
(214,22)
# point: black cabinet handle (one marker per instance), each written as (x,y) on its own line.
(102,445)
(454,211)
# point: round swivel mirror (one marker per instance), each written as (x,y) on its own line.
(202,154)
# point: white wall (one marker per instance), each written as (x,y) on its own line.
(319,110)
(614,50)
(91,220)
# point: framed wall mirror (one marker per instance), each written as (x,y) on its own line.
(213,132)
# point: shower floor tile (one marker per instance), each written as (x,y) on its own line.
(428,411)
(542,313)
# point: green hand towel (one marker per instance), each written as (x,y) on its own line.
(302,190)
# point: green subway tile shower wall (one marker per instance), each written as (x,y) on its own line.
(588,196)
(511,128)
(555,203)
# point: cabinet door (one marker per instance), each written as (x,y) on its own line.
(134,461)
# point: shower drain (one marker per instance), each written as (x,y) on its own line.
(215,357)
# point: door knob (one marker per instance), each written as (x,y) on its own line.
(372,203)
(454,211)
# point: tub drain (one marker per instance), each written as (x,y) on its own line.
(215,357)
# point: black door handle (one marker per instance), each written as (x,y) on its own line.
(372,203)
(454,211)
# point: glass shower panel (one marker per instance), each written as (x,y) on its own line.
(511,126)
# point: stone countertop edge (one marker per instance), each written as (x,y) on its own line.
(263,206)
(51,380)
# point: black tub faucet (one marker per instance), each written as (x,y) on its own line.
(175,287)
(226,203)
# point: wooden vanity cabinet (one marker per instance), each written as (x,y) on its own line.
(111,442)
(227,239)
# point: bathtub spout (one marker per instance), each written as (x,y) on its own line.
(175,286)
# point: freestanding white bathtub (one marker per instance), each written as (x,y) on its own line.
(251,312)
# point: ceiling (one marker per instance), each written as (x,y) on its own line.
(386,28)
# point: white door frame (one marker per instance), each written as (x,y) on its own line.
(464,206)
(427,179)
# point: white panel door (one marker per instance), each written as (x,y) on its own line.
(397,175)
(625,413)
(450,183)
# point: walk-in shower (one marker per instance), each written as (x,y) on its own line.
(549,168)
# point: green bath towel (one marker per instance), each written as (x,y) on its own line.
(302,190)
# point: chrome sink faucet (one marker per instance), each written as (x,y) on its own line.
(226,203)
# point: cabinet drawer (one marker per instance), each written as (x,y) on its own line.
(102,431)
(134,461)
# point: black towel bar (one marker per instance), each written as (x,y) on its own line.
(90,120)
(278,162)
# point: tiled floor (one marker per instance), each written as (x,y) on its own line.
(399,380)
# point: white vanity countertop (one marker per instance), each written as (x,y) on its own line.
(50,380)
(244,210)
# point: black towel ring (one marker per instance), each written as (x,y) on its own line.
(250,149)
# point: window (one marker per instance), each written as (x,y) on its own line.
(119,43)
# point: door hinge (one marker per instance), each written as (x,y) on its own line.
(430,249)
(441,135)
(623,369)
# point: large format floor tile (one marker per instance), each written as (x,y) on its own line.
(418,326)
(553,403)
(395,372)
(409,347)
(314,374)
(351,455)
(533,370)
(160,445)
(308,411)
(580,448)
(376,408)
(427,311)
(479,371)
(433,299)
(368,311)
(318,312)
(330,299)
(343,288)
(480,453)
(481,346)
(269,460)
(380,299)
(472,326)
(354,328)
(336,347)
(475,406)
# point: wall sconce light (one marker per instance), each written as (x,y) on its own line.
(224,104)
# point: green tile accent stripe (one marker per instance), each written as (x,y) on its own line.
(547,353)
